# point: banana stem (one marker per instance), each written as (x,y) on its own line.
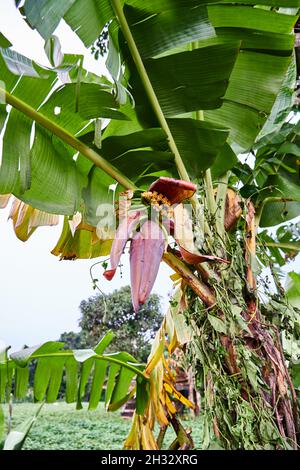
(150,92)
(220,203)
(209,191)
(250,241)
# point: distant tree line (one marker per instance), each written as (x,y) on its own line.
(114,312)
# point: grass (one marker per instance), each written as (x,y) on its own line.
(61,427)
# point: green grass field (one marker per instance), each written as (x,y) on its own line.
(61,427)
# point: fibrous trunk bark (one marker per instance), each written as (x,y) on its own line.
(250,401)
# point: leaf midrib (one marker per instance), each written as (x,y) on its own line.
(71,354)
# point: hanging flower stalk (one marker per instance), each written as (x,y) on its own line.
(149,238)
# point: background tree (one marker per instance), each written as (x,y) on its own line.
(74,340)
(134,331)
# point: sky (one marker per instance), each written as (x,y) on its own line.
(40,295)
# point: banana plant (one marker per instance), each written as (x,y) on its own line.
(194,83)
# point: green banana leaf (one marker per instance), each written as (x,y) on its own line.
(112,371)
(223,62)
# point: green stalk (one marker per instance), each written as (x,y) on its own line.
(199,115)
(284,246)
(68,138)
(220,203)
(209,191)
(150,91)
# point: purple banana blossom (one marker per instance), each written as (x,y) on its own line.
(153,248)
(175,191)
(195,258)
(146,251)
(123,232)
(136,268)
(147,245)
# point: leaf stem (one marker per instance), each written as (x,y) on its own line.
(69,139)
(95,356)
(150,91)
(209,191)
(284,246)
(220,203)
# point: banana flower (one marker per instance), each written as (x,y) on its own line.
(149,242)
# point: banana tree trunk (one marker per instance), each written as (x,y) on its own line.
(250,401)
(235,353)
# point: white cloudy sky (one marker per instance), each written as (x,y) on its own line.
(39,295)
